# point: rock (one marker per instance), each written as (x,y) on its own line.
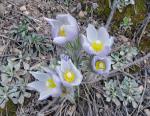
(23,8)
(82,14)
(123,38)
(141,88)
(98,95)
(26,12)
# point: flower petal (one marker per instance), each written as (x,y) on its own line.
(104,52)
(103,35)
(64,65)
(52,22)
(56,80)
(66,19)
(85,45)
(60,73)
(56,92)
(71,32)
(55,26)
(48,70)
(37,85)
(78,74)
(91,33)
(110,41)
(107,61)
(44,91)
(40,75)
(68,65)
(60,40)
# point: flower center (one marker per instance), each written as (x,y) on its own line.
(62,32)
(97,45)
(100,65)
(69,76)
(50,83)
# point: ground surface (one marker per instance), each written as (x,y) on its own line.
(91,100)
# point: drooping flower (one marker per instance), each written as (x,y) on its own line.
(47,84)
(97,42)
(101,65)
(64,28)
(68,73)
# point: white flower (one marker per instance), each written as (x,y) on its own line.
(101,65)
(47,84)
(64,28)
(68,73)
(97,42)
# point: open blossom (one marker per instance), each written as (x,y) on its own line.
(64,28)
(68,73)
(47,84)
(101,65)
(97,42)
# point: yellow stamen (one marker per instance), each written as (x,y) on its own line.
(97,45)
(69,76)
(62,32)
(50,83)
(100,65)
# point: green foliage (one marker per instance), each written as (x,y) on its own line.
(4,96)
(126,24)
(112,92)
(124,56)
(30,41)
(10,108)
(12,86)
(73,50)
(66,2)
(10,71)
(128,92)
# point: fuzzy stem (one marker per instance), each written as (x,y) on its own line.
(113,9)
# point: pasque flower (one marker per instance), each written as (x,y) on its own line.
(47,84)
(68,73)
(101,65)
(64,28)
(97,42)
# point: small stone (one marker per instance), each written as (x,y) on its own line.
(98,95)
(81,14)
(145,61)
(23,8)
(37,28)
(141,88)
(30,28)
(123,38)
(26,12)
